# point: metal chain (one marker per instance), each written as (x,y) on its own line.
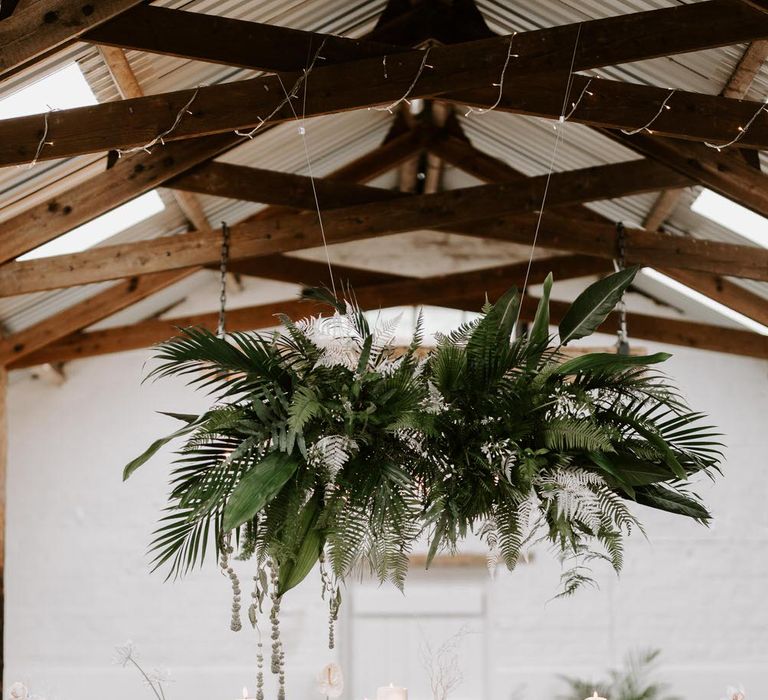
(622,340)
(221,330)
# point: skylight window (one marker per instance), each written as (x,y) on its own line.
(715,306)
(732,216)
(100,228)
(64,89)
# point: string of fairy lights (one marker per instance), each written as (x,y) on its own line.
(587,91)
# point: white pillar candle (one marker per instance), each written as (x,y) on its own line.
(392,692)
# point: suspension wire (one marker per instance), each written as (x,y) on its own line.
(552,161)
(622,337)
(303,134)
(224,261)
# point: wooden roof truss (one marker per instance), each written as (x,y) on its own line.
(464,61)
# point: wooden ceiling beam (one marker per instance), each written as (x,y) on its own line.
(38,27)
(724,291)
(738,85)
(460,67)
(614,104)
(371,294)
(7,8)
(485,167)
(759,5)
(436,20)
(232,42)
(642,247)
(308,273)
(85,313)
(130,291)
(620,39)
(241,104)
(140,173)
(129,178)
(277,188)
(128,86)
(465,291)
(439,210)
(725,172)
(257,185)
(746,70)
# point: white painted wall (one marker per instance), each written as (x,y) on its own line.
(77,581)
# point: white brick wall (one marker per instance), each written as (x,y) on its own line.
(77,582)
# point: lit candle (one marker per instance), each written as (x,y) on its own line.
(595,696)
(391,692)
(245,694)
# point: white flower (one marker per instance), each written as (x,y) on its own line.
(159,675)
(732,693)
(18,691)
(125,654)
(330,681)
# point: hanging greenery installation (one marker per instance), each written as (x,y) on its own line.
(325,445)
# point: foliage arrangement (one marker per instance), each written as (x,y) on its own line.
(631,682)
(325,446)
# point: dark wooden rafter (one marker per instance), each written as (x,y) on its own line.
(724,172)
(299,37)
(231,42)
(129,178)
(239,105)
(444,21)
(642,247)
(760,5)
(7,7)
(463,290)
(563,228)
(619,39)
(441,210)
(485,167)
(134,289)
(135,175)
(128,86)
(371,293)
(738,85)
(38,27)
(363,83)
(615,104)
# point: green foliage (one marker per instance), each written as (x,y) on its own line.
(324,444)
(632,682)
(594,304)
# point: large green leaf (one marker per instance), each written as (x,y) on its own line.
(594,304)
(539,334)
(193,422)
(672,502)
(294,569)
(607,361)
(258,487)
(629,470)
